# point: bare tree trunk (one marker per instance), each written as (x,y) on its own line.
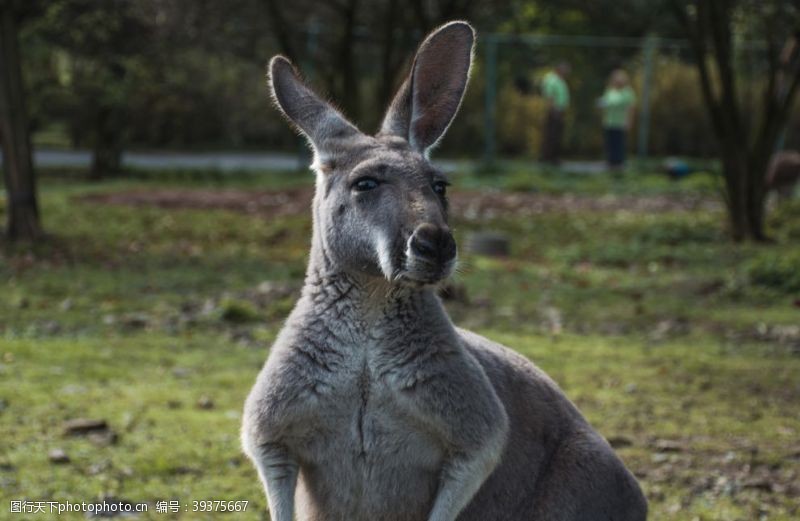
(388,66)
(282,29)
(350,92)
(746,148)
(20,180)
(736,200)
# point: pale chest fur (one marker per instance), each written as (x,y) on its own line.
(357,408)
(358,439)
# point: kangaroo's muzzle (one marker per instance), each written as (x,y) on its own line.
(431,253)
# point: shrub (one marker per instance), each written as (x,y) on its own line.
(237,311)
(520,120)
(775,270)
(676,233)
(677,110)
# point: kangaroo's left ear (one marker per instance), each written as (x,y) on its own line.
(326,128)
(430,96)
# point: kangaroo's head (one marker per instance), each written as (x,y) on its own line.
(380,207)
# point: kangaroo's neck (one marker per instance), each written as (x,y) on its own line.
(362,302)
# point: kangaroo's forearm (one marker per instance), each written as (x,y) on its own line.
(278,471)
(461,478)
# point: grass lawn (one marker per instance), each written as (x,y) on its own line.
(681,348)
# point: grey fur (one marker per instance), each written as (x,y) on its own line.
(372,405)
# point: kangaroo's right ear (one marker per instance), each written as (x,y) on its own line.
(429,98)
(324,126)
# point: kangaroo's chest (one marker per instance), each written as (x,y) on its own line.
(362,453)
(361,417)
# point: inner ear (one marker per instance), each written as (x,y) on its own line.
(430,96)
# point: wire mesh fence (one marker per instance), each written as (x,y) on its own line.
(670,115)
(503,114)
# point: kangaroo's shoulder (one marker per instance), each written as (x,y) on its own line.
(497,357)
(513,374)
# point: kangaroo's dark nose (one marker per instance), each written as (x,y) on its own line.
(433,243)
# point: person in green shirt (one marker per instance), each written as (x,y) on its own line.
(617,104)
(556,92)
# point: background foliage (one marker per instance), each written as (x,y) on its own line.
(187,74)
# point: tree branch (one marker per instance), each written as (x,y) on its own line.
(716,18)
(697,44)
(281,29)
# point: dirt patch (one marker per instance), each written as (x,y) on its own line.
(490,204)
(293,201)
(740,472)
(468,205)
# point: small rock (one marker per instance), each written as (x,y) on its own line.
(205,403)
(729,457)
(136,320)
(184,470)
(270,287)
(208,308)
(180,372)
(58,456)
(553,322)
(659,458)
(619,442)
(51,327)
(103,438)
(98,468)
(493,244)
(668,446)
(73,389)
(759,484)
(668,328)
(66,304)
(80,426)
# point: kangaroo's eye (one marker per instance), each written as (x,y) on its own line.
(440,187)
(364,184)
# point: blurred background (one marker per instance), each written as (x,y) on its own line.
(185,75)
(156,211)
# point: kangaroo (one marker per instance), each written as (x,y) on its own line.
(372,405)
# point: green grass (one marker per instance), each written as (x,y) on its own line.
(674,342)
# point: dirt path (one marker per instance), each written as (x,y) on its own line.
(470,205)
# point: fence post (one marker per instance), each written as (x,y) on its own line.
(649,49)
(490,99)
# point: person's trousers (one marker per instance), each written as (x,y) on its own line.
(553,134)
(615,146)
